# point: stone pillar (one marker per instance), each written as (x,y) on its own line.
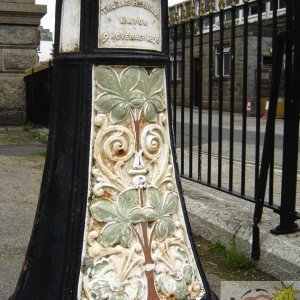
(19,21)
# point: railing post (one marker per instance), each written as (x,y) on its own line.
(111,221)
(291,124)
(268,145)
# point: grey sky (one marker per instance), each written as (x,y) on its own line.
(48,19)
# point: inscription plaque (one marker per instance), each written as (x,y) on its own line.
(130,24)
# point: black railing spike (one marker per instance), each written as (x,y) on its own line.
(269,136)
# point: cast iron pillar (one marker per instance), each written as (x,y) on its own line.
(111,221)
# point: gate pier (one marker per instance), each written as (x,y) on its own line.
(111,221)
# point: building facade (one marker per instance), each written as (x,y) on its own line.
(201,66)
(45,49)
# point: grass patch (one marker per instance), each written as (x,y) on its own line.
(40,136)
(28,126)
(36,156)
(42,154)
(37,134)
(231,258)
(229,264)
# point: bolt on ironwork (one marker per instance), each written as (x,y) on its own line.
(211,6)
(201,8)
(176,15)
(169,17)
(222,4)
(183,12)
(192,10)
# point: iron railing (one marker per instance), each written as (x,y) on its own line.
(224,74)
(38,81)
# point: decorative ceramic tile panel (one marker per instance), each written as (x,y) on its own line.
(132,24)
(136,241)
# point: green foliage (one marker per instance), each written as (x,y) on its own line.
(217,249)
(178,287)
(121,215)
(132,89)
(237,260)
(231,258)
(41,153)
(161,212)
(151,86)
(119,96)
(118,216)
(101,288)
(37,134)
(40,136)
(28,126)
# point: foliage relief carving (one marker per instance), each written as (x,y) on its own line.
(136,243)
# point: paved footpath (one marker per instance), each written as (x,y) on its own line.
(22,161)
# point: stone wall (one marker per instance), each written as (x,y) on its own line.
(19,21)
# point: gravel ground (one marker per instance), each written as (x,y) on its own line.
(21,161)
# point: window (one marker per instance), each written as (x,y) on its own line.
(267,61)
(253,9)
(176,64)
(226,61)
(281,4)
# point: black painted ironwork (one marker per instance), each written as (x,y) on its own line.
(269,137)
(174,79)
(220,131)
(245,96)
(192,84)
(229,124)
(287,212)
(38,83)
(232,95)
(210,91)
(199,99)
(258,92)
(182,140)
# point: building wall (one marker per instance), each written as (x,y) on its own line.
(45,49)
(19,21)
(239,59)
(266,56)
